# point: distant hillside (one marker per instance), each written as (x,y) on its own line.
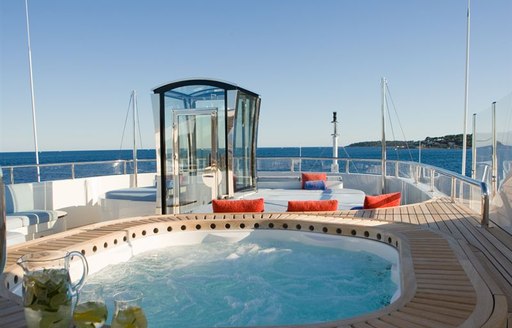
(449,142)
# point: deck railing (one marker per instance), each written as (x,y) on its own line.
(61,171)
(469,192)
(461,189)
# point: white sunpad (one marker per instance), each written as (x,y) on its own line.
(276,200)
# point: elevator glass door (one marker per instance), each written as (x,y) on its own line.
(195,172)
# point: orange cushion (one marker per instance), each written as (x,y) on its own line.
(238,205)
(385,200)
(313,177)
(312,205)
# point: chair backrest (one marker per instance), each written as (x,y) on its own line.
(19,197)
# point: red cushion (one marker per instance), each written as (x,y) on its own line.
(238,205)
(312,205)
(313,177)
(385,200)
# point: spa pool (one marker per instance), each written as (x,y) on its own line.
(250,277)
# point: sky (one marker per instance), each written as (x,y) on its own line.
(305,59)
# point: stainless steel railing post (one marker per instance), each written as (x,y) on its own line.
(432,180)
(485,204)
(454,188)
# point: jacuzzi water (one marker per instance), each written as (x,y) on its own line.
(263,279)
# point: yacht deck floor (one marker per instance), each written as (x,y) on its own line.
(462,272)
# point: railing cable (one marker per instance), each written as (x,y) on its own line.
(399,123)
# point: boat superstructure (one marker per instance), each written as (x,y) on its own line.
(206,149)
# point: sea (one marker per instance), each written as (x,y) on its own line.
(449,159)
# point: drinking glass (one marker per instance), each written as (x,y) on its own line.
(128,311)
(90,310)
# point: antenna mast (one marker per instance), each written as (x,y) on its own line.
(135,169)
(466,95)
(383,142)
(32,97)
(335,135)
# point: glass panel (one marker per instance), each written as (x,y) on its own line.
(199,97)
(195,96)
(244,143)
(195,176)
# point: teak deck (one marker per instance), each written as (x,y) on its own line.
(455,273)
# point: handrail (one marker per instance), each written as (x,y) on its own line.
(71,165)
(454,177)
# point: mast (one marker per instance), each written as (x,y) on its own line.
(335,135)
(134,99)
(32,97)
(383,109)
(473,149)
(494,179)
(466,93)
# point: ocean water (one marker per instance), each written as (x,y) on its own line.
(449,159)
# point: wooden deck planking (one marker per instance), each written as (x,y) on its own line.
(492,253)
(444,296)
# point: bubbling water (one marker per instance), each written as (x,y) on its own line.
(256,281)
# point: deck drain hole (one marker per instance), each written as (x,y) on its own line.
(115,241)
(256,225)
(143,232)
(366,234)
(242,225)
(134,235)
(94,249)
(338,231)
(311,228)
(124,238)
(298,226)
(15,279)
(183,227)
(155,230)
(271,225)
(379,237)
(228,226)
(82,251)
(285,225)
(390,240)
(169,229)
(105,245)
(353,232)
(198,227)
(324,229)
(396,244)
(213,226)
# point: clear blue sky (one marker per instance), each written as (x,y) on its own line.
(305,58)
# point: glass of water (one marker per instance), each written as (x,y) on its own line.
(128,310)
(90,310)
